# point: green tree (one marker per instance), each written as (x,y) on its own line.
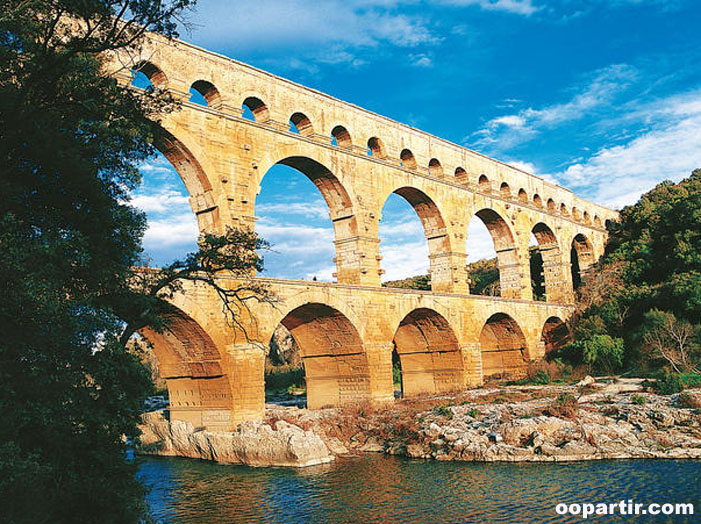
(648,286)
(71,141)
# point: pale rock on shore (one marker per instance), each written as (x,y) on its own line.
(253,443)
(487,425)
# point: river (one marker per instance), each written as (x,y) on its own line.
(377,488)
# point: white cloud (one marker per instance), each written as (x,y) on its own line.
(165,201)
(479,242)
(174,231)
(616,176)
(409,227)
(404,259)
(508,131)
(508,121)
(421,60)
(529,167)
(316,209)
(276,24)
(321,273)
(520,7)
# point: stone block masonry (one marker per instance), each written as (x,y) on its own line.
(446,339)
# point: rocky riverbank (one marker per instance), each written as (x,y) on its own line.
(253,443)
(536,423)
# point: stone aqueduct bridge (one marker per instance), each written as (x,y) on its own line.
(446,338)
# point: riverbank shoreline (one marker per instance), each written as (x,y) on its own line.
(502,424)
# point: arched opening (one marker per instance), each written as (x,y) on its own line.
(563,210)
(335,365)
(435,169)
(403,254)
(503,347)
(407,159)
(397,373)
(576,214)
(300,123)
(204,93)
(483,183)
(547,274)
(376,148)
(581,258)
(535,263)
(429,353)
(493,256)
(505,190)
(586,217)
(537,201)
(556,335)
(174,195)
(551,205)
(522,196)
(190,363)
(148,76)
(341,137)
(255,109)
(301,226)
(461,175)
(184,162)
(597,221)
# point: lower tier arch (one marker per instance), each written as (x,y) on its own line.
(199,388)
(503,347)
(335,364)
(429,353)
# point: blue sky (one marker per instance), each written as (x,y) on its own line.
(601,96)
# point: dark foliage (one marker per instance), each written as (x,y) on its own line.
(644,300)
(71,139)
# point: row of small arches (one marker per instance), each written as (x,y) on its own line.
(202,92)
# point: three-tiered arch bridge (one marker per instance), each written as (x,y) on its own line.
(446,338)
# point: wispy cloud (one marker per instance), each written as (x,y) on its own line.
(519,7)
(174,231)
(404,259)
(618,175)
(328,31)
(162,202)
(314,209)
(506,131)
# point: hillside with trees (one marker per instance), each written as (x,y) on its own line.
(640,310)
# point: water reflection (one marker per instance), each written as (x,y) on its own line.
(377,488)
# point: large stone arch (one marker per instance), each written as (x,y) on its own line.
(341,211)
(507,252)
(191,163)
(429,352)
(582,258)
(503,347)
(195,371)
(436,233)
(335,364)
(554,273)
(554,335)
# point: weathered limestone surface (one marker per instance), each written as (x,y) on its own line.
(462,428)
(253,443)
(603,428)
(446,339)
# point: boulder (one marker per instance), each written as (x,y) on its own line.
(253,443)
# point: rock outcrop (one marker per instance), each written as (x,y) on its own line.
(253,443)
(532,423)
(497,425)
